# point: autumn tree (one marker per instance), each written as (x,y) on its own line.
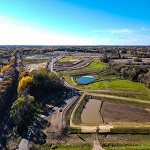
(24,74)
(5,68)
(24,84)
(22,111)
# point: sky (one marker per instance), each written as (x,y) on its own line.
(74,22)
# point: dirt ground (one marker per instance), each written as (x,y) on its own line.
(112,112)
(54,130)
(31,67)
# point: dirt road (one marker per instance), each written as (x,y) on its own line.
(96,144)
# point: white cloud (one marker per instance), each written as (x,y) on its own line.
(103,41)
(13,32)
(16,33)
(122,31)
(2,17)
(114,31)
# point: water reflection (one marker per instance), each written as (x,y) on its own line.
(85,79)
(96,112)
(91,113)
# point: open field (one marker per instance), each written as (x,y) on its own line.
(70,63)
(127,120)
(31,67)
(65,58)
(85,146)
(125,141)
(36,59)
(106,79)
(131,97)
(81,55)
(117,87)
(96,64)
(112,112)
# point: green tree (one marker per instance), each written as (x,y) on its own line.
(22,111)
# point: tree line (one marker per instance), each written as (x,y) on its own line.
(32,86)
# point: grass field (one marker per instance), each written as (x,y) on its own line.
(94,67)
(85,146)
(126,147)
(125,141)
(104,81)
(130,88)
(66,58)
(117,87)
(96,64)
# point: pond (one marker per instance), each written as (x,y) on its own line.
(91,112)
(85,79)
(98,111)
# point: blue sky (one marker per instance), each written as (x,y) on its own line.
(74,22)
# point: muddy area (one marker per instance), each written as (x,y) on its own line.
(91,113)
(96,112)
(112,112)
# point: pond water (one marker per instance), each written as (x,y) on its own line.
(91,112)
(112,112)
(85,79)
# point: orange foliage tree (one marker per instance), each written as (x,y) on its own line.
(24,82)
(5,68)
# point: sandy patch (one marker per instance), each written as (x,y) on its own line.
(31,67)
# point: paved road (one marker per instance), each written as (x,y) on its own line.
(53,61)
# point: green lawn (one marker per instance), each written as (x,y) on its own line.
(85,146)
(69,80)
(116,84)
(94,67)
(127,147)
(96,64)
(126,142)
(66,58)
(92,86)
(118,87)
(106,81)
(75,147)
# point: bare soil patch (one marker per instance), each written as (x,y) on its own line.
(31,67)
(112,112)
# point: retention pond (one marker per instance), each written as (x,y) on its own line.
(85,79)
(91,112)
(98,111)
